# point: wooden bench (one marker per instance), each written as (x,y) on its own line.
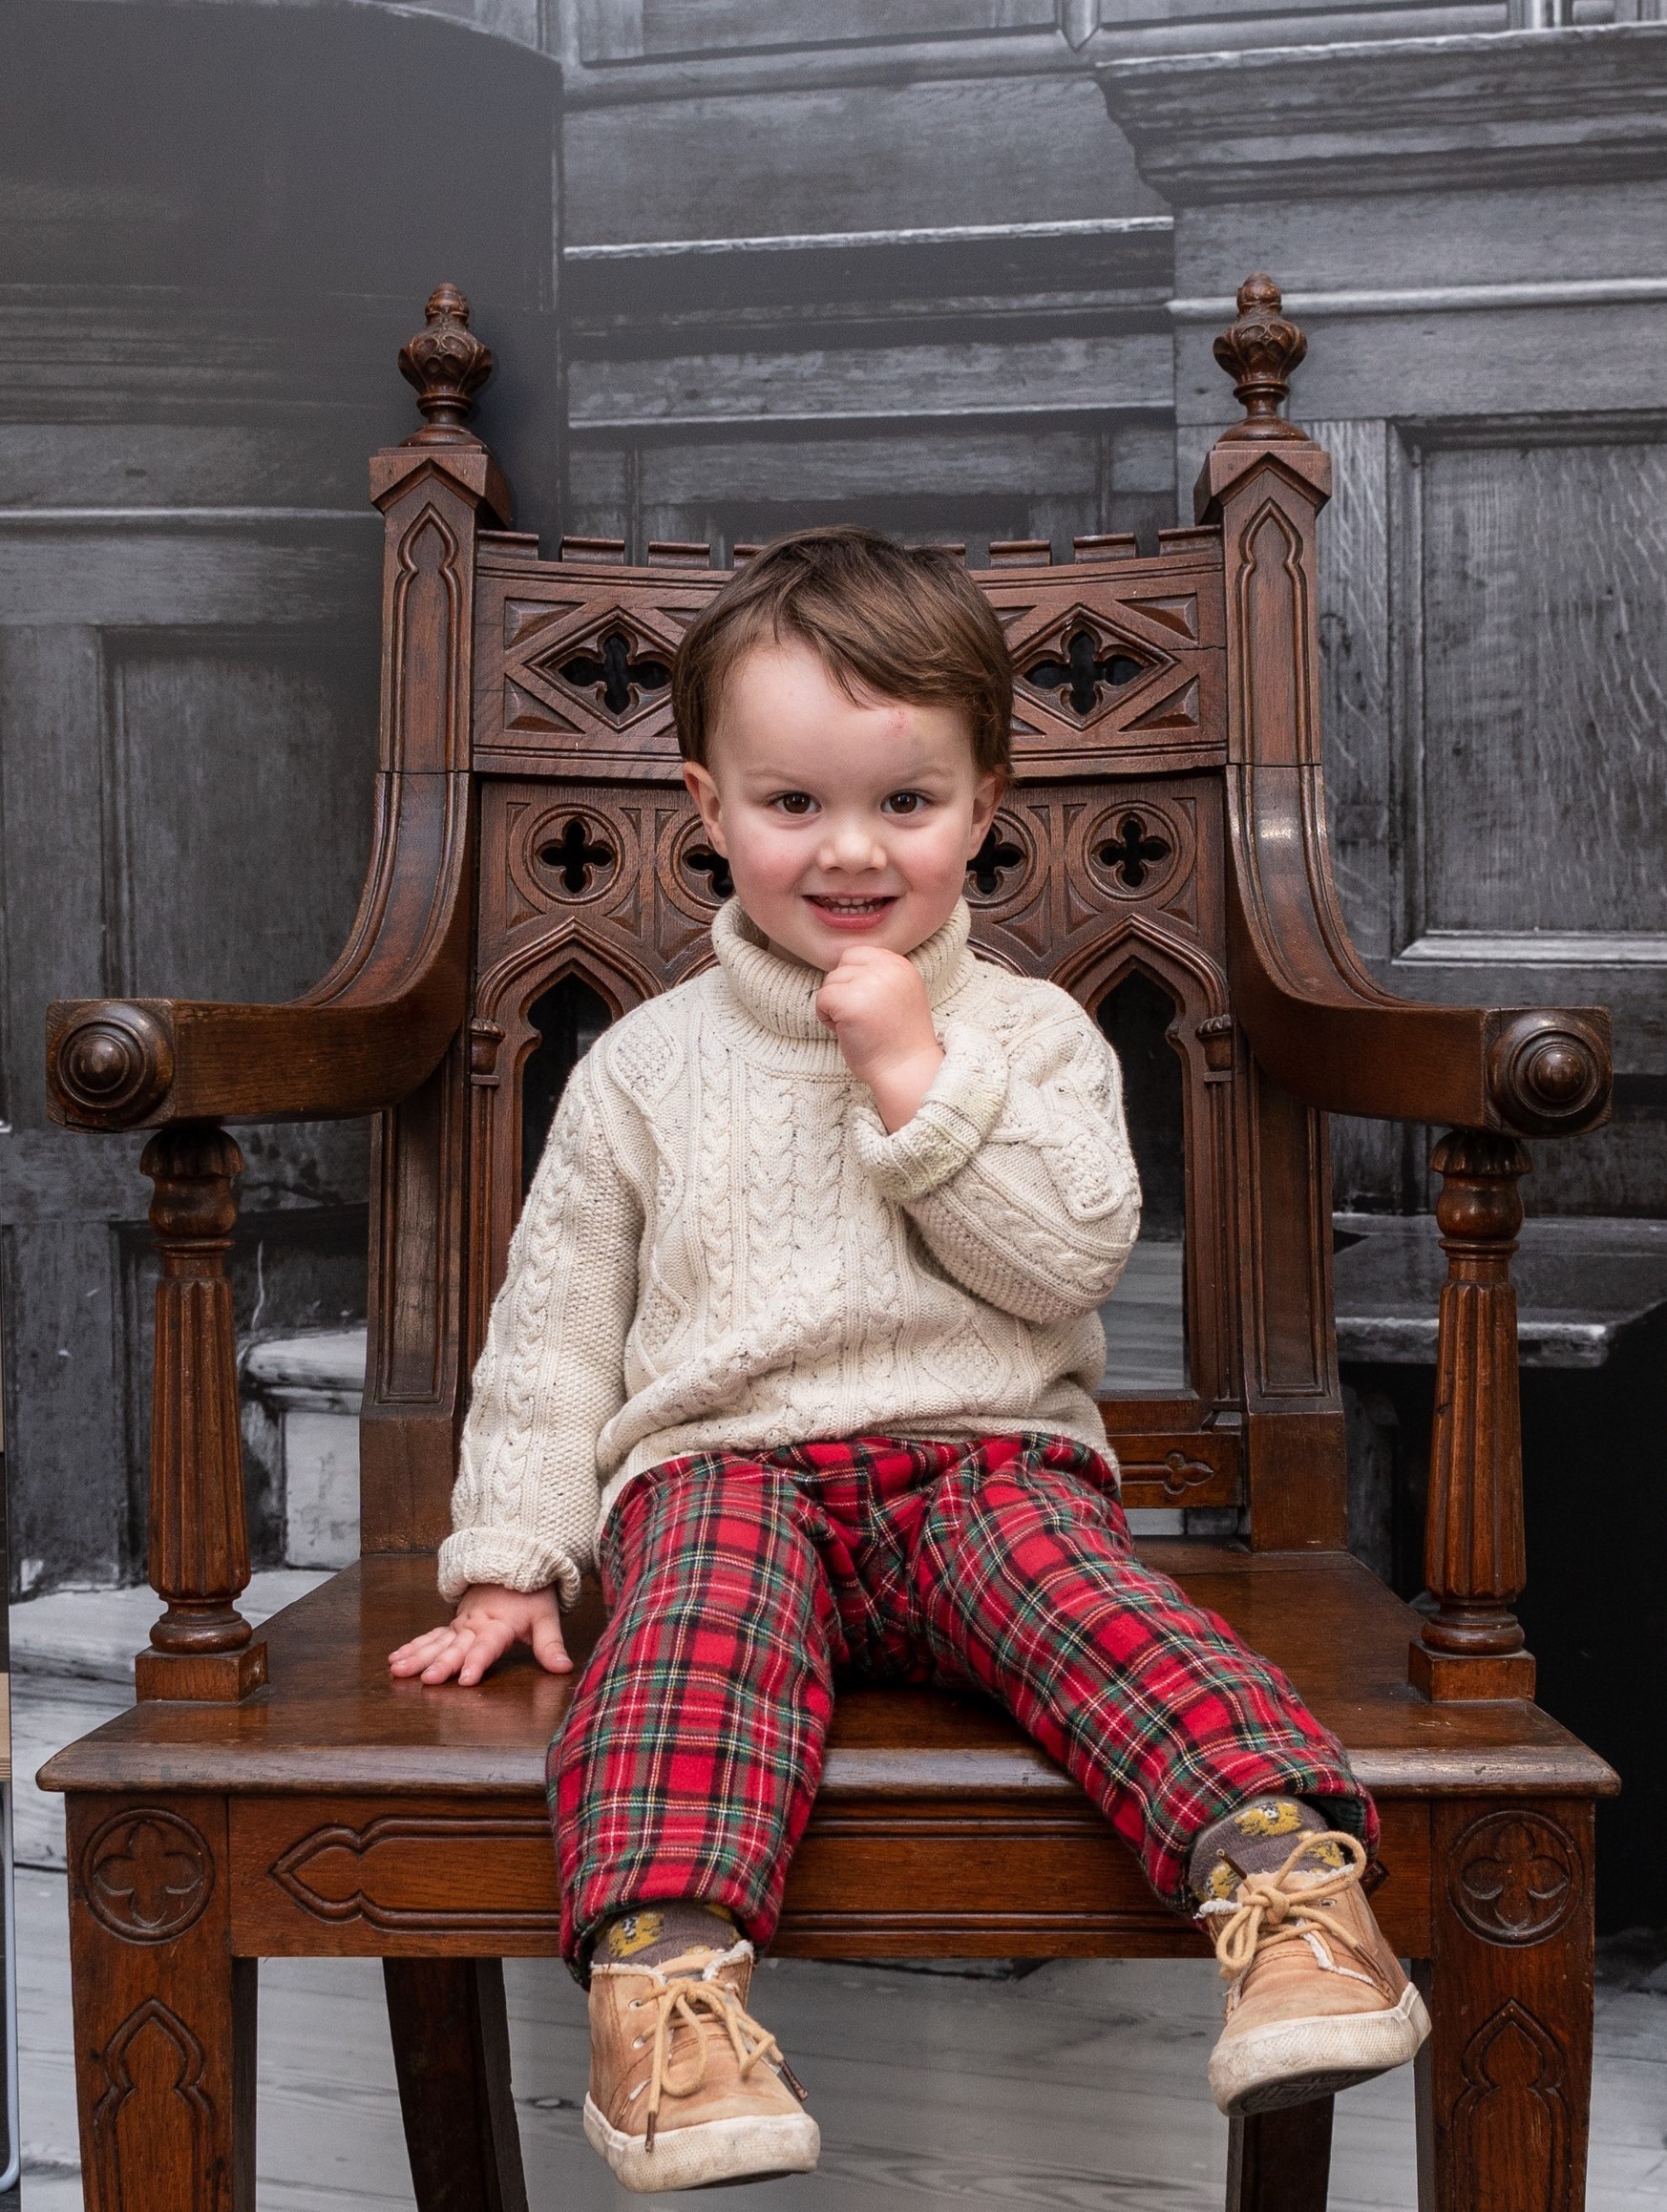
(537,869)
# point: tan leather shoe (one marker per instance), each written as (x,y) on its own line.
(685,2087)
(1318,1999)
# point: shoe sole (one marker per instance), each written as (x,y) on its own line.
(710,2151)
(1295,2061)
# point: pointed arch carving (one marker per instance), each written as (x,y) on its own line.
(142,2109)
(1185,972)
(1514,2085)
(1275,689)
(1174,962)
(503,1038)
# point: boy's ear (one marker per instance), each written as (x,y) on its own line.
(991,786)
(705,793)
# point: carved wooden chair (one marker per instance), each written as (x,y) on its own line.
(537,870)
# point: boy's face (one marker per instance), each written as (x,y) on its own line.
(843,823)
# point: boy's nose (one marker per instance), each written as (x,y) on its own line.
(852,847)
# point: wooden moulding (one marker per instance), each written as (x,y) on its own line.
(973,1876)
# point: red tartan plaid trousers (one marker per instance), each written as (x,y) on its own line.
(740,1589)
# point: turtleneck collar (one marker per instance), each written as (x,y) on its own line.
(780,993)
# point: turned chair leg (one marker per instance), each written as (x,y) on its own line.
(451,2055)
(1280,2162)
(164,2015)
(1505,2081)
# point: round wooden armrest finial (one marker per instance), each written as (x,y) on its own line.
(1259,352)
(112,1064)
(447,364)
(1548,1074)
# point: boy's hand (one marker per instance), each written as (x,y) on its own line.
(488,1620)
(877,1006)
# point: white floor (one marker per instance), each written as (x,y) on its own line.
(1076,2088)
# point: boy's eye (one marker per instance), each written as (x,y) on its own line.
(794,802)
(906,802)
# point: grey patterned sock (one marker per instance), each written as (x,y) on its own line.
(1255,1837)
(647,1935)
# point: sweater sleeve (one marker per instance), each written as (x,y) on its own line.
(1016,1169)
(550,1375)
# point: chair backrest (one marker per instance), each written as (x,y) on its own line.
(534,693)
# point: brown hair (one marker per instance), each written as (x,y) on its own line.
(900,622)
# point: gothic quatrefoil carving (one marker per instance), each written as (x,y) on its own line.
(147,1876)
(708,872)
(579,858)
(1515,1878)
(988,869)
(1092,670)
(616,671)
(1137,848)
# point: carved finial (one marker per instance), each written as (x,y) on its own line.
(1259,353)
(448,365)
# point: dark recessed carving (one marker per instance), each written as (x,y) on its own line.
(1134,850)
(616,675)
(146,1876)
(1085,672)
(987,870)
(701,860)
(578,857)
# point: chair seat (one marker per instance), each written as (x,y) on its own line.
(360,1805)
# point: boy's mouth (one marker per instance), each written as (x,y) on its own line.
(849,910)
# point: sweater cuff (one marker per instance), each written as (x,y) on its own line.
(505,1556)
(950,1124)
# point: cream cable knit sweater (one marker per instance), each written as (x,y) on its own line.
(722,1247)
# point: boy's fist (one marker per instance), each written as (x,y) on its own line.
(877,1006)
(488,1620)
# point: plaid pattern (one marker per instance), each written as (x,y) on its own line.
(738,1589)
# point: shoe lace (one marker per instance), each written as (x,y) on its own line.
(1272,1909)
(689,1991)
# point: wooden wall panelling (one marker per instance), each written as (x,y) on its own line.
(164,2013)
(53,917)
(59,1290)
(229,740)
(876,383)
(1002,146)
(1542,781)
(967,482)
(1372,1162)
(1531,655)
(64,1403)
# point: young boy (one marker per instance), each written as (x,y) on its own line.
(798,1341)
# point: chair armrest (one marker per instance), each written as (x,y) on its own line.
(128,1063)
(1534,1071)
(359,1041)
